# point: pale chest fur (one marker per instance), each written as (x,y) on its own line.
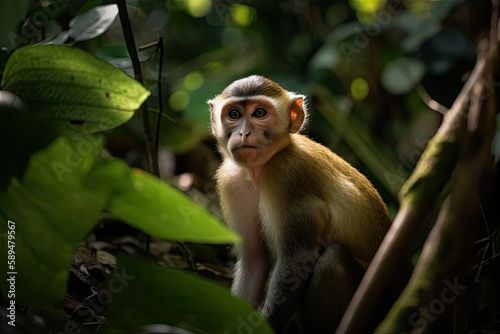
(240,204)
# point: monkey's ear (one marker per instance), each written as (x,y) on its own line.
(213,122)
(297,114)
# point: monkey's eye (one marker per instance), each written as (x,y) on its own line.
(259,113)
(234,114)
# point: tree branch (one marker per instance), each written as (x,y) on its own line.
(418,196)
(143,110)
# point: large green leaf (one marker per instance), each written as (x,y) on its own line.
(71,89)
(60,200)
(147,203)
(161,210)
(152,295)
(53,211)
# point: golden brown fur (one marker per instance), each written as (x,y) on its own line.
(310,222)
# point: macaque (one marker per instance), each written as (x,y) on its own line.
(310,222)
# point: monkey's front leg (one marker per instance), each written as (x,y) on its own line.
(251,274)
(287,286)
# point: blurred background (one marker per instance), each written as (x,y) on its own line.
(378,75)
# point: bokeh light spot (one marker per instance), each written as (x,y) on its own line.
(359,88)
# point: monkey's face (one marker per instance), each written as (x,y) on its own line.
(252,131)
(252,119)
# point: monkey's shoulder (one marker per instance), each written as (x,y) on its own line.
(314,156)
(311,165)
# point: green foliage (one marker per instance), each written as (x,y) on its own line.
(153,295)
(71,90)
(52,213)
(64,190)
(55,189)
(155,208)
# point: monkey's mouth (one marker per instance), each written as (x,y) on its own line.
(240,147)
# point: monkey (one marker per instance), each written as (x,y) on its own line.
(311,223)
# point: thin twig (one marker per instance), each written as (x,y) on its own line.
(429,101)
(148,46)
(157,112)
(143,110)
(160,95)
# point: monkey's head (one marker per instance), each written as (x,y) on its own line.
(252,119)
